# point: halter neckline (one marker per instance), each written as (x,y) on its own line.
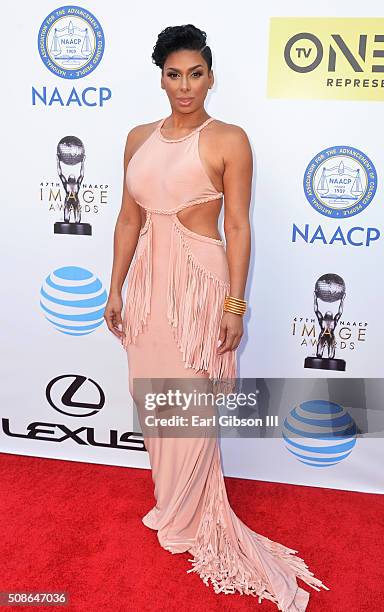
(197,129)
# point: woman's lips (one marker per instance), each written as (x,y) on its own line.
(184,101)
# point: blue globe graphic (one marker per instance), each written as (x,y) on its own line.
(319,433)
(73,300)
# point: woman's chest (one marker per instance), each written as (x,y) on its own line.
(168,175)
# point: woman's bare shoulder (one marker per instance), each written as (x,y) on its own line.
(137,135)
(143,128)
(230,139)
(228,130)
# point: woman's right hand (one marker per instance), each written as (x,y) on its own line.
(112,315)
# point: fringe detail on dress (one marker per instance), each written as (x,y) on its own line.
(297,564)
(138,298)
(195,304)
(217,558)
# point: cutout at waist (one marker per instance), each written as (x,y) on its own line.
(176,209)
(182,221)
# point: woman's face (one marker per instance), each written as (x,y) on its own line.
(186,80)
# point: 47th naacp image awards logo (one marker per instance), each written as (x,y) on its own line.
(68,194)
(71,42)
(336,333)
(340,181)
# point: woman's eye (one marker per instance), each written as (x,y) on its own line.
(174,74)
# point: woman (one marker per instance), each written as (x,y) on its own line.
(183,314)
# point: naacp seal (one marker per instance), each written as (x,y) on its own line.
(71,42)
(340,181)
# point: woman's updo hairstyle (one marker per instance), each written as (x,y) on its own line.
(175,38)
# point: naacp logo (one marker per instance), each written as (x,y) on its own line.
(340,182)
(71,42)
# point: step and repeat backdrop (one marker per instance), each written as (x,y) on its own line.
(307,85)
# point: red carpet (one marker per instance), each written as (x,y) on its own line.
(77,527)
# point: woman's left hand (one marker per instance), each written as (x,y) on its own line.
(231,331)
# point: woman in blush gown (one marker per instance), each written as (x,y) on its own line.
(181,317)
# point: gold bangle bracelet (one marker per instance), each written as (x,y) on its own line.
(229,309)
(234,305)
(230,298)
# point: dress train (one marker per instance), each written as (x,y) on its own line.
(192,513)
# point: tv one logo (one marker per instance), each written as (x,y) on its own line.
(335,58)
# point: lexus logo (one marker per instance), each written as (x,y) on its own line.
(61,394)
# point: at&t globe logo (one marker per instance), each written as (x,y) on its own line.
(71,42)
(73,300)
(319,433)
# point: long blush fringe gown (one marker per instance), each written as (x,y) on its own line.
(173,304)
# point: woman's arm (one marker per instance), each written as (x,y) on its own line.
(237,182)
(125,240)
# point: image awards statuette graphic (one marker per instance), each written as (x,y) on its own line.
(329,288)
(71,152)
